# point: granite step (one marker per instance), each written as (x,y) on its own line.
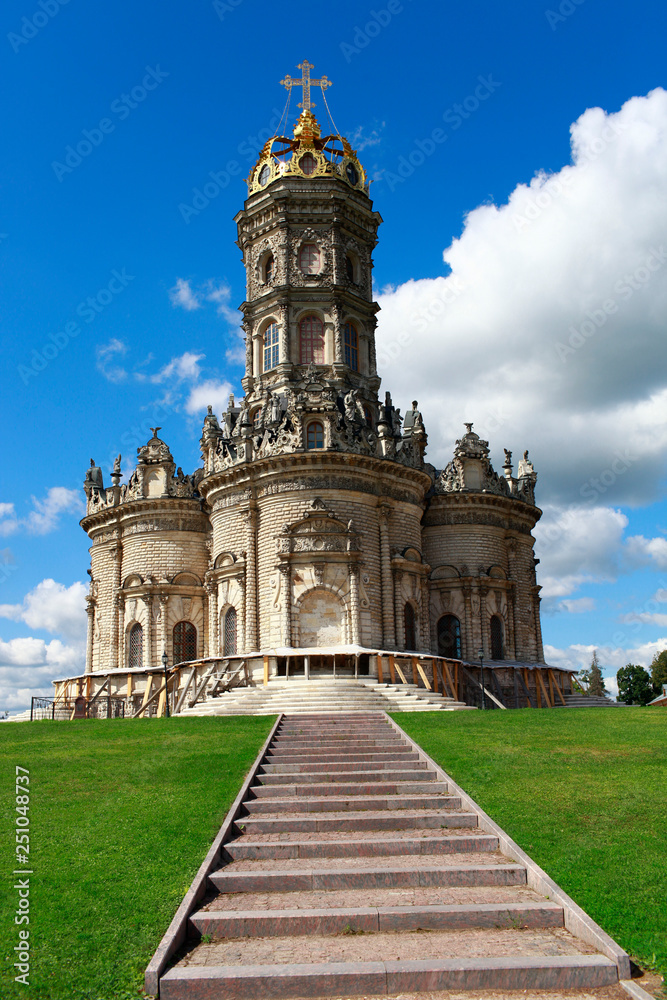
(342,822)
(415,771)
(288,878)
(351,803)
(329,979)
(220,924)
(339,755)
(369,787)
(410,843)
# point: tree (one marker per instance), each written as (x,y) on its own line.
(659,671)
(634,685)
(592,678)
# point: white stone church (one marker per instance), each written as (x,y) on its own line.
(315,523)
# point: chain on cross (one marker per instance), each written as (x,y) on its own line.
(306,83)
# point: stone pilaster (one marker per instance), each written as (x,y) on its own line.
(468,638)
(213,617)
(398,606)
(164,630)
(354,603)
(286,603)
(90,633)
(241,623)
(388,626)
(117,557)
(283,320)
(339,354)
(251,634)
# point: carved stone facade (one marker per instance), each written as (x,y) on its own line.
(314,520)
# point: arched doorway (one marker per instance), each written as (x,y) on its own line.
(410,629)
(449,637)
(496,638)
(321,619)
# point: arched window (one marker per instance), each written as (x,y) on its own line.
(271,347)
(269,265)
(369,416)
(315,435)
(309,258)
(136,656)
(496,638)
(185,642)
(351,341)
(449,637)
(410,630)
(349,268)
(308,163)
(229,632)
(311,340)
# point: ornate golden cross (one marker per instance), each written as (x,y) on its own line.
(306,83)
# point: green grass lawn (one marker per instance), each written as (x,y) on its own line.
(122,814)
(584,792)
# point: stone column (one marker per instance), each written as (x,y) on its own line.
(286,603)
(249,368)
(283,320)
(213,617)
(387,592)
(251,634)
(468,638)
(398,606)
(90,634)
(339,354)
(425,621)
(240,630)
(484,627)
(372,352)
(538,625)
(147,651)
(354,603)
(164,632)
(117,557)
(121,632)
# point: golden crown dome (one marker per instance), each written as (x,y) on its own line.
(307,154)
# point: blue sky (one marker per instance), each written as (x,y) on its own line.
(165,95)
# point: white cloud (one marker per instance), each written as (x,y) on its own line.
(45,513)
(578,656)
(221,294)
(28,664)
(364,136)
(577,545)
(182,295)
(523,275)
(209,393)
(184,367)
(577,607)
(647,551)
(105,354)
(53,607)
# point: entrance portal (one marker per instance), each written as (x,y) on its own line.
(321,619)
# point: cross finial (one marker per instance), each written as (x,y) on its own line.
(306,83)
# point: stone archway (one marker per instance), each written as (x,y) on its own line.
(321,619)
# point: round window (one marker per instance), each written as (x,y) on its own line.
(352,175)
(308,163)
(264,174)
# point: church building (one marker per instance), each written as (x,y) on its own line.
(315,522)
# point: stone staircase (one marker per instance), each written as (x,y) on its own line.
(591,701)
(355,872)
(298,696)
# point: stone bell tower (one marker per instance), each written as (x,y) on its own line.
(307,234)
